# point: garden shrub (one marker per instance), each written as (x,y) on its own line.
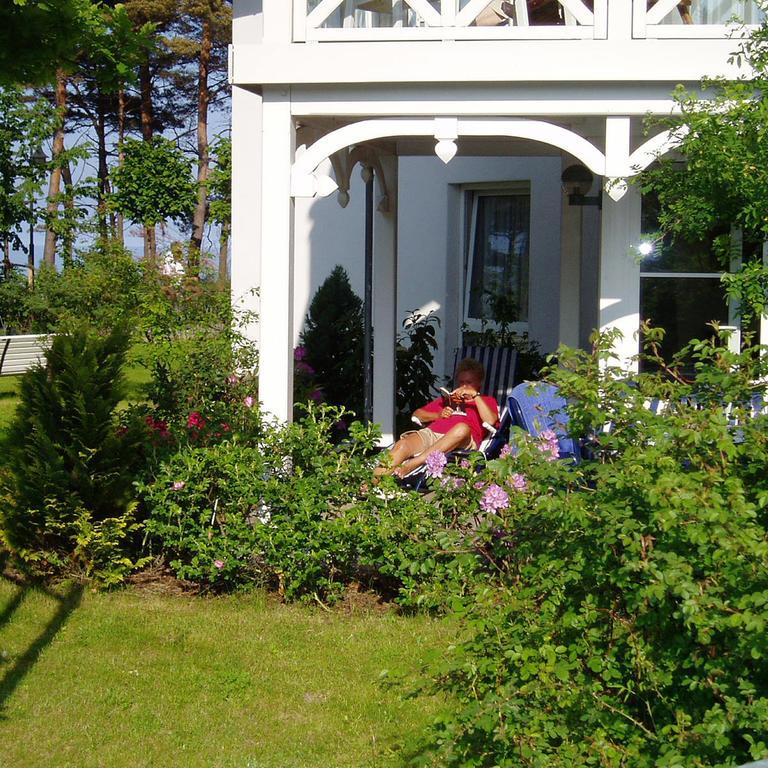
(333,341)
(192,341)
(69,462)
(415,350)
(624,623)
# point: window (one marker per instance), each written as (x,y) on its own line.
(680,284)
(496,282)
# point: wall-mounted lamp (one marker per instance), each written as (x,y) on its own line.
(577,181)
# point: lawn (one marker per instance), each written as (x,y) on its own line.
(135,678)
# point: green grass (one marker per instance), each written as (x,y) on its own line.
(137,679)
(9,387)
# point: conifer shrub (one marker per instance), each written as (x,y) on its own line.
(70,463)
(332,340)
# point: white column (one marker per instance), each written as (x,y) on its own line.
(385,304)
(276,285)
(620,273)
(278,22)
(246,202)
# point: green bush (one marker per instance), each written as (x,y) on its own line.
(624,623)
(69,462)
(192,341)
(333,341)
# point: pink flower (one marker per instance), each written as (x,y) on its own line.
(435,464)
(178,485)
(494,498)
(248,402)
(225,427)
(517,481)
(232,379)
(195,421)
(548,444)
(218,564)
(464,464)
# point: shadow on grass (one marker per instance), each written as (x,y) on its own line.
(67,602)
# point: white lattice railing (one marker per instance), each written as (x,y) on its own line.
(690,18)
(448,19)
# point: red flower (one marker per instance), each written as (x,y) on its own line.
(195,421)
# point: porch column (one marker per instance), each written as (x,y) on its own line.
(570,270)
(385,302)
(276,285)
(620,273)
(246,203)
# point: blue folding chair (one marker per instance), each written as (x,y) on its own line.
(536,406)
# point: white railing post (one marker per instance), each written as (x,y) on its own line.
(299,21)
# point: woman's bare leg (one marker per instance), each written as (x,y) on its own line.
(404,448)
(458,436)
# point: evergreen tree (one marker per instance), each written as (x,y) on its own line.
(333,340)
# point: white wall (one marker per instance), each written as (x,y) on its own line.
(430,258)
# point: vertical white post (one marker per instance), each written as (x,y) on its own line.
(246,202)
(620,273)
(620,20)
(276,317)
(277,21)
(385,304)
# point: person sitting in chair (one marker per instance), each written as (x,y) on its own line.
(450,423)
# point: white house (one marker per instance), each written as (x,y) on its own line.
(467,113)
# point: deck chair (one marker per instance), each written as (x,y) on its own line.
(499,364)
(536,406)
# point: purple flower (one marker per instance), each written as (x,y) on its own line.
(299,354)
(435,464)
(494,498)
(451,483)
(305,368)
(517,481)
(316,395)
(548,444)
(178,485)
(505,451)
(464,464)
(248,402)
(218,564)
(232,379)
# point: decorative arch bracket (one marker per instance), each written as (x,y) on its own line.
(615,165)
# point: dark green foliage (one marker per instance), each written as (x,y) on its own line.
(333,341)
(100,287)
(415,354)
(69,465)
(192,340)
(624,624)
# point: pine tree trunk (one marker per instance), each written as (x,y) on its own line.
(150,244)
(68,240)
(54,183)
(203,100)
(120,224)
(101,139)
(224,254)
(145,86)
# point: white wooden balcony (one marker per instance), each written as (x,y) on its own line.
(370,20)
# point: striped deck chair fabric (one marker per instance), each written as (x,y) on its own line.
(499,363)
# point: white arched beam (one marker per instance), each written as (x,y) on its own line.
(306,183)
(616,165)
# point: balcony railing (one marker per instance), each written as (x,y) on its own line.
(448,19)
(692,18)
(335,20)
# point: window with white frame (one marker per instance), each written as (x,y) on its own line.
(496,256)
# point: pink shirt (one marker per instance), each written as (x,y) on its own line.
(472,419)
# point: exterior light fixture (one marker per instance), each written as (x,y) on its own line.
(577,181)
